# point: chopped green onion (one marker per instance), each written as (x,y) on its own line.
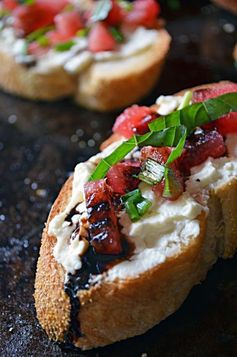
(117,34)
(171,130)
(83,32)
(135,204)
(101,10)
(132,211)
(65,46)
(167,188)
(167,137)
(186,99)
(143,206)
(152,172)
(135,194)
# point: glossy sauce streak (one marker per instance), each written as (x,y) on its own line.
(92,264)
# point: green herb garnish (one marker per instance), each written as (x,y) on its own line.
(101,10)
(167,137)
(152,172)
(35,35)
(83,32)
(64,46)
(126,5)
(26,2)
(198,114)
(117,34)
(4,13)
(186,99)
(135,204)
(171,130)
(43,41)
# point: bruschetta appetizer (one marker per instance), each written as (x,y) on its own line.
(138,225)
(99,52)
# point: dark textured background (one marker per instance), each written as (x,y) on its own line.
(41,143)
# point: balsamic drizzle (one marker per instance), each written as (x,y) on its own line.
(92,264)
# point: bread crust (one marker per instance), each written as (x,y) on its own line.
(17,79)
(102,86)
(114,84)
(112,311)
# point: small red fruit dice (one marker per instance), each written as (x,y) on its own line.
(144,13)
(199,147)
(103,222)
(100,38)
(121,177)
(228,123)
(134,120)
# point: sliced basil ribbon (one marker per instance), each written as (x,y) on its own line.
(198,114)
(171,130)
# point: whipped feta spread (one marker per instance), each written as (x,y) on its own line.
(68,249)
(168,103)
(78,57)
(161,233)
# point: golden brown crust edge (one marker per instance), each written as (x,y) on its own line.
(27,83)
(95,88)
(113,311)
(106,86)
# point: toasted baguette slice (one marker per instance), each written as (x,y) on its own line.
(102,86)
(114,310)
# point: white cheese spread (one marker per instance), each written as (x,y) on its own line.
(78,57)
(162,232)
(66,251)
(168,103)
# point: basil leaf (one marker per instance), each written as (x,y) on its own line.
(198,114)
(171,130)
(117,35)
(64,46)
(101,10)
(116,156)
(35,35)
(167,137)
(179,148)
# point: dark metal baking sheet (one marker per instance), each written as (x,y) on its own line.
(40,144)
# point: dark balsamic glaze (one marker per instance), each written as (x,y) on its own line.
(92,264)
(71,214)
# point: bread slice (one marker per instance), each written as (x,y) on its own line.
(102,86)
(113,310)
